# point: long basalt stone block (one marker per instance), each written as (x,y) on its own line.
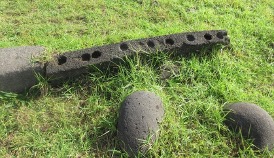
(73,63)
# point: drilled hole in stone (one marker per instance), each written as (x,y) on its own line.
(169,41)
(96,54)
(141,43)
(62,60)
(190,37)
(151,44)
(220,35)
(86,57)
(123,46)
(208,36)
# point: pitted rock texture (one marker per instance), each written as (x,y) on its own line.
(17,68)
(140,115)
(254,122)
(73,63)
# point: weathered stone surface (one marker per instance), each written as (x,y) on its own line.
(73,63)
(140,114)
(254,122)
(17,71)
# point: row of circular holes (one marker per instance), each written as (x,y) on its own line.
(86,57)
(124,47)
(191,38)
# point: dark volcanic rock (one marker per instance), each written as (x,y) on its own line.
(17,68)
(74,63)
(140,114)
(254,122)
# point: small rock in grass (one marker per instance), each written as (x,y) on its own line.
(168,70)
(140,114)
(254,122)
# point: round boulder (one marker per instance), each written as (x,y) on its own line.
(140,114)
(253,121)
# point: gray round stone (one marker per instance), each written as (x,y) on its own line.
(254,122)
(140,114)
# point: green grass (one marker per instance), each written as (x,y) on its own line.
(79,118)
